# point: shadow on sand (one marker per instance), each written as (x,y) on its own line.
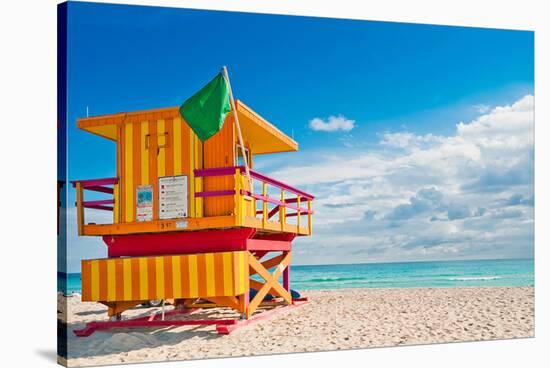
(118,340)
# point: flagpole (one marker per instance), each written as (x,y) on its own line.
(239,134)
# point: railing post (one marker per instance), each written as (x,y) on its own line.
(116,204)
(264,204)
(286,278)
(298,201)
(282,211)
(309,223)
(79,208)
(238,198)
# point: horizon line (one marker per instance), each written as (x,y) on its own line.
(391,262)
(425,261)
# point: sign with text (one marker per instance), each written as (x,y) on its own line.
(172,197)
(144,203)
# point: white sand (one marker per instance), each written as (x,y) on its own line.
(332,320)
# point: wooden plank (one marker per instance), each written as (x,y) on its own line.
(282,211)
(116,204)
(273,245)
(79,209)
(144,152)
(298,213)
(177,142)
(271,282)
(161,147)
(267,264)
(201,223)
(136,164)
(153,178)
(169,150)
(309,221)
(165,277)
(192,162)
(264,205)
(128,174)
(238,199)
(228,301)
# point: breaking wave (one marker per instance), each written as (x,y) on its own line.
(474,278)
(336,279)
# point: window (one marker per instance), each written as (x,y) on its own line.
(239,156)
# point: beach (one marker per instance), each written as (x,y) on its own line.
(332,320)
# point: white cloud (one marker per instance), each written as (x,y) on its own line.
(482,108)
(408,140)
(414,197)
(332,124)
(511,126)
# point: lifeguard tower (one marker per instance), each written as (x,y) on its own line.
(189,224)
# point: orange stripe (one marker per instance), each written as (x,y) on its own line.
(119,280)
(153,165)
(184,275)
(236,275)
(169,163)
(122,203)
(118,171)
(152,277)
(219,151)
(228,274)
(136,162)
(168,282)
(102,280)
(135,279)
(185,147)
(218,267)
(86,280)
(201,273)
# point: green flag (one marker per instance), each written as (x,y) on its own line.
(206,110)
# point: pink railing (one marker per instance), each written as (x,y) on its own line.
(290,198)
(281,204)
(96,185)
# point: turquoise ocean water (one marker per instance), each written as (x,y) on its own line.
(509,272)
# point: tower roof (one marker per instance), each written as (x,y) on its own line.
(264,136)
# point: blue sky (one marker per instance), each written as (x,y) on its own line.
(393,90)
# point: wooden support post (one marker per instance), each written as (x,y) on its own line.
(282,211)
(247,256)
(79,208)
(227,301)
(238,198)
(116,308)
(116,204)
(309,223)
(267,264)
(286,277)
(265,214)
(271,282)
(299,213)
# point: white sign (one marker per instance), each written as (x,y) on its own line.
(172,197)
(181,224)
(144,203)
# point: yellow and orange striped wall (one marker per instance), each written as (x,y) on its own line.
(157,143)
(150,146)
(165,277)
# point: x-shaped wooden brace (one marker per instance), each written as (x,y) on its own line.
(271,280)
